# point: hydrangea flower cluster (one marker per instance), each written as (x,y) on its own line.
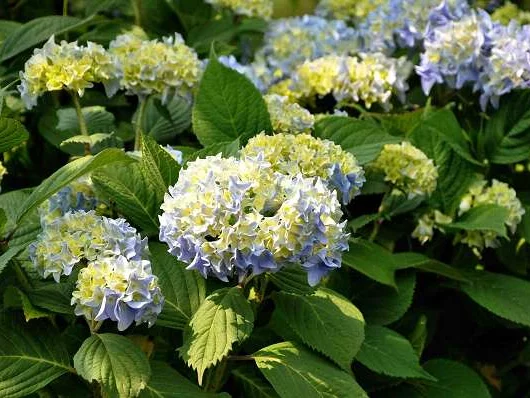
(288,117)
(311,157)
(67,66)
(407,168)
(250,8)
(427,223)
(291,41)
(370,77)
(402,23)
(453,50)
(229,217)
(119,289)
(348,10)
(499,193)
(151,66)
(78,195)
(116,282)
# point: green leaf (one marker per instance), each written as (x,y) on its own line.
(30,358)
(291,279)
(97,119)
(16,298)
(159,167)
(455,380)
(227,149)
(96,142)
(507,133)
(95,6)
(184,290)
(67,174)
(425,264)
(36,31)
(12,133)
(483,218)
(326,322)
(54,297)
(382,305)
(7,27)
(504,295)
(165,128)
(387,352)
(125,185)
(228,106)
(252,385)
(371,260)
(294,371)
(362,138)
(115,362)
(166,382)
(224,318)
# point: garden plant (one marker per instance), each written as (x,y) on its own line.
(263,199)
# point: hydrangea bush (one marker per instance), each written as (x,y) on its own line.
(240,198)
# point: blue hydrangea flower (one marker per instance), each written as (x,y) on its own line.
(119,289)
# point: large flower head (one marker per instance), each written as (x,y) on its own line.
(288,117)
(81,237)
(78,195)
(151,66)
(119,289)
(250,8)
(500,194)
(407,168)
(291,41)
(453,50)
(67,66)
(229,217)
(311,157)
(369,78)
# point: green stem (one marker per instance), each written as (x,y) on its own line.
(137,7)
(139,120)
(375,230)
(93,325)
(80,118)
(65,8)
(215,378)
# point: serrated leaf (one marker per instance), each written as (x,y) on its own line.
(12,133)
(16,298)
(291,279)
(325,321)
(96,142)
(228,106)
(30,358)
(166,382)
(483,218)
(382,305)
(361,138)
(507,132)
(177,120)
(97,119)
(224,318)
(159,167)
(115,362)
(296,372)
(184,291)
(126,186)
(455,380)
(252,385)
(387,352)
(36,31)
(371,260)
(54,297)
(503,295)
(425,264)
(67,174)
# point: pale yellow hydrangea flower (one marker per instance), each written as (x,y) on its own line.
(250,8)
(288,117)
(353,10)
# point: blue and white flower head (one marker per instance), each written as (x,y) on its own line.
(402,23)
(250,8)
(291,41)
(311,157)
(229,217)
(166,67)
(78,195)
(500,194)
(80,237)
(507,66)
(454,50)
(288,117)
(119,289)
(407,168)
(66,66)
